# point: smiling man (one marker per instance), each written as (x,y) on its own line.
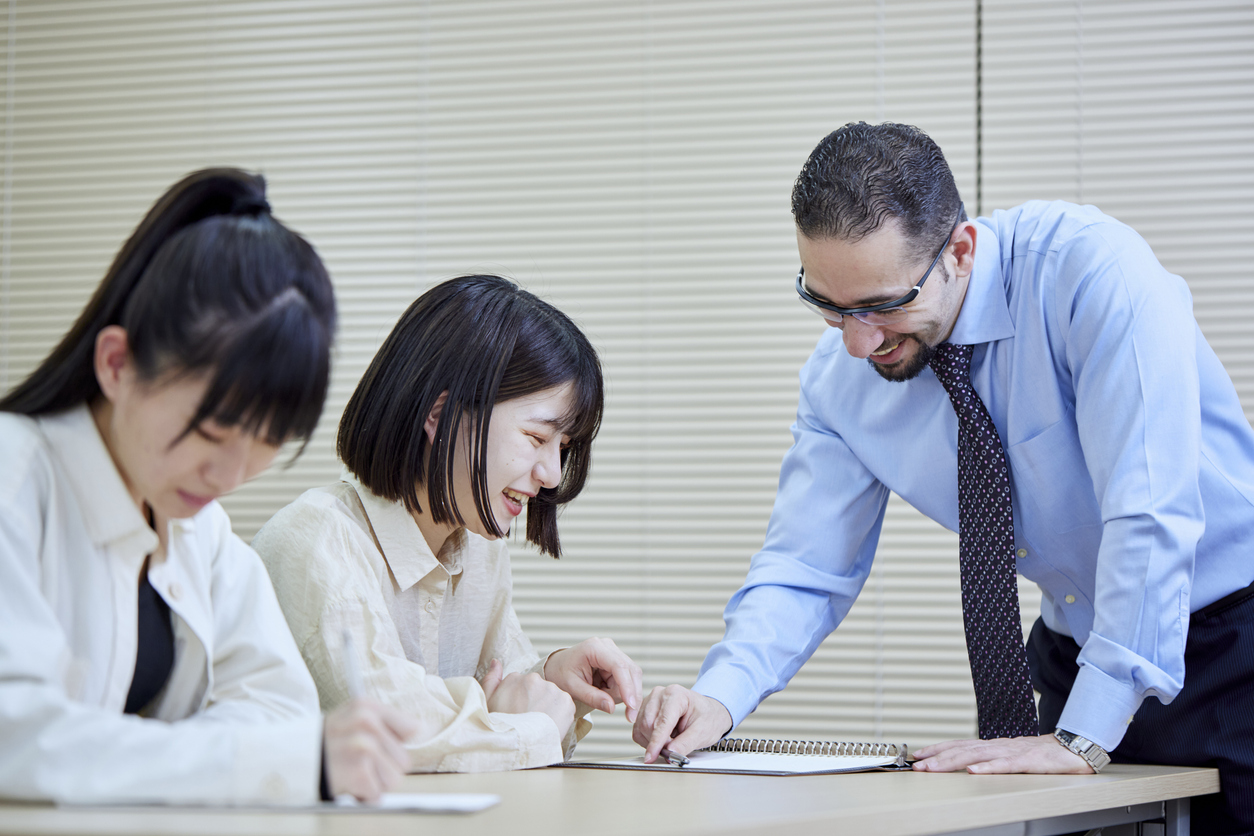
(1049,395)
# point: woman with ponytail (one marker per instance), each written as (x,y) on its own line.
(143,656)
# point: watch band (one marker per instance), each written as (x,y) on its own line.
(1094,755)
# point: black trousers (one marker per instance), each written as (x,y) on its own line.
(1209,723)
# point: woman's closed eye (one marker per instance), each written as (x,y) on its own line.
(212,436)
(541,439)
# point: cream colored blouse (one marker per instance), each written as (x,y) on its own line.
(425,627)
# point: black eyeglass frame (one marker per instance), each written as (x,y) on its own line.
(896,303)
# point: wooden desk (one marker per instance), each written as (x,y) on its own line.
(551,802)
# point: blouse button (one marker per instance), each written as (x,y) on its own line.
(1070,599)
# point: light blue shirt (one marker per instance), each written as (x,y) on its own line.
(1131,466)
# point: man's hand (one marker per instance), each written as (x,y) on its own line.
(1038,755)
(364,748)
(596,672)
(680,720)
(520,693)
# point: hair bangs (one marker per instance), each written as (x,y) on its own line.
(552,351)
(581,424)
(252,311)
(587,402)
(272,378)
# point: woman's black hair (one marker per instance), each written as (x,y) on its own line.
(208,283)
(483,340)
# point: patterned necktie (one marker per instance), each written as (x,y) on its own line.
(986,543)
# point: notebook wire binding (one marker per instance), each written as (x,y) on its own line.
(812,747)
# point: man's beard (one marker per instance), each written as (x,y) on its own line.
(908,369)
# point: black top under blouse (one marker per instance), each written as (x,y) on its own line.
(154,659)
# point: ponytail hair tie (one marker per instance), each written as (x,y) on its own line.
(249,204)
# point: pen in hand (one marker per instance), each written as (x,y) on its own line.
(351,672)
(673,759)
(364,740)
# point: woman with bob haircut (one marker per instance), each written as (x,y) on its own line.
(484,400)
(144,657)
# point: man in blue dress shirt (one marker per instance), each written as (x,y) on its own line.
(1131,464)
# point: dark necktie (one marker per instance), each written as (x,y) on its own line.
(986,543)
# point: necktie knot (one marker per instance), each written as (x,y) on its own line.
(952,365)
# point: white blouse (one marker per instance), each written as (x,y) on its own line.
(236,723)
(425,627)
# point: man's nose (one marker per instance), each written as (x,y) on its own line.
(861,339)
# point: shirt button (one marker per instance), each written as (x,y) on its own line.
(176,591)
(430,608)
(1022,552)
(1070,599)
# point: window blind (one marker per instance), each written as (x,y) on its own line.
(1146,110)
(631,162)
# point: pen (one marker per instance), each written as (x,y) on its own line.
(351,671)
(673,759)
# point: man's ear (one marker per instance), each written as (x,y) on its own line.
(113,354)
(963,242)
(433,418)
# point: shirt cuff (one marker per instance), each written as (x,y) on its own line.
(538,743)
(279,764)
(578,729)
(1099,708)
(522,741)
(538,667)
(730,687)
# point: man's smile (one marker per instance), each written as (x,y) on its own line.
(887,347)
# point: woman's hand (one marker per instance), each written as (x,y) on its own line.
(596,672)
(365,751)
(520,693)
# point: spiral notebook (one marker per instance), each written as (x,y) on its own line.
(754,756)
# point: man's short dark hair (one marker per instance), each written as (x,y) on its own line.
(483,340)
(860,175)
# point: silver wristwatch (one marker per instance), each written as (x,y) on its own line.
(1094,755)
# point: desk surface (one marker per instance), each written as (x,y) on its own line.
(598,802)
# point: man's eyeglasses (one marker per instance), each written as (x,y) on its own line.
(886,313)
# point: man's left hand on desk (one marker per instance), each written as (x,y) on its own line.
(1041,755)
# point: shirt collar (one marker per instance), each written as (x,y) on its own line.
(109,513)
(404,548)
(985,313)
